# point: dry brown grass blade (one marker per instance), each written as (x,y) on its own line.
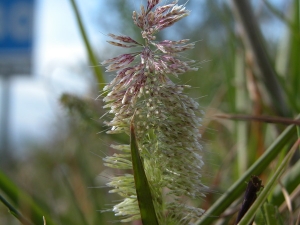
(292,196)
(265,119)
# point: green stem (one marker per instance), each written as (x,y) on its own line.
(257,168)
(15,212)
(267,189)
(93,59)
(253,41)
(18,197)
(279,15)
(74,198)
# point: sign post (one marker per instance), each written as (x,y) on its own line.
(16,42)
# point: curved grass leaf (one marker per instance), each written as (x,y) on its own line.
(15,212)
(143,192)
(290,181)
(93,59)
(74,199)
(18,197)
(268,215)
(272,215)
(257,168)
(259,218)
(264,194)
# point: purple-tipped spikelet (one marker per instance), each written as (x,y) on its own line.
(166,119)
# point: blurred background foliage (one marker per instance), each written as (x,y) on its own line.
(65,177)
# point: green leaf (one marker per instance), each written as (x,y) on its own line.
(143,192)
(93,59)
(290,181)
(272,215)
(257,168)
(15,212)
(268,215)
(18,197)
(259,218)
(264,194)
(74,199)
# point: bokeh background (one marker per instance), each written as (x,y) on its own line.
(56,137)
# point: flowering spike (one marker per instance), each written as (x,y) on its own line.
(166,120)
(151,4)
(125,39)
(120,44)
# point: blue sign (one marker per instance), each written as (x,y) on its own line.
(16,35)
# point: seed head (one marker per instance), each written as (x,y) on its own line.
(167,120)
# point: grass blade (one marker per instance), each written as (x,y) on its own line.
(15,212)
(257,168)
(73,197)
(264,194)
(18,197)
(92,57)
(272,215)
(143,192)
(290,181)
(254,42)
